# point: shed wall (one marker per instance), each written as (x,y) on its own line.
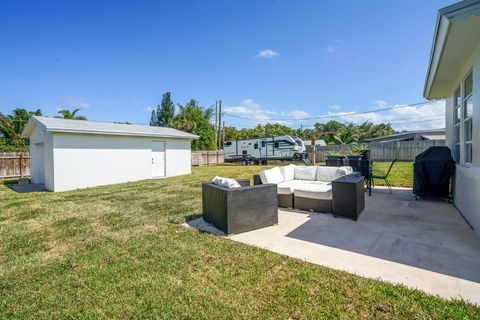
(86,160)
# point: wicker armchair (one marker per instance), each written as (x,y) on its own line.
(237,210)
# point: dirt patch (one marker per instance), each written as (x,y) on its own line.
(56,249)
(105,231)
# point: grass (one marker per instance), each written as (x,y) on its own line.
(120,252)
(401,174)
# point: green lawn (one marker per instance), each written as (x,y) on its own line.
(400,176)
(121,252)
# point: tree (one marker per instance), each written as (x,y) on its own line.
(153,119)
(346,136)
(72,115)
(328,130)
(195,119)
(230,133)
(11,127)
(165,112)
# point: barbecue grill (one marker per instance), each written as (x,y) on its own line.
(432,171)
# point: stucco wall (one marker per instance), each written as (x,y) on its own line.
(41,165)
(85,160)
(178,157)
(467,178)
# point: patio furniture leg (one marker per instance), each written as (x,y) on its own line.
(370,186)
(388,185)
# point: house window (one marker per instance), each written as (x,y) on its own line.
(467,117)
(457,122)
(264,143)
(276,145)
(255,146)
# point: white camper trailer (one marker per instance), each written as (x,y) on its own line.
(254,151)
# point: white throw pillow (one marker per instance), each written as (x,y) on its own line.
(273,175)
(305,173)
(328,174)
(226,182)
(288,172)
(347,169)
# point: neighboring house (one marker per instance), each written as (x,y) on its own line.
(411,136)
(454,74)
(318,143)
(72,154)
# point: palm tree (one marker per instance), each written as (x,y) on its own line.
(346,137)
(67,114)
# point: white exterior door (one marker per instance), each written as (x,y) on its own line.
(38,163)
(158,159)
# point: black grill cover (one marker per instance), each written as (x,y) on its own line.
(432,171)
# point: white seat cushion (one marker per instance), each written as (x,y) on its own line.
(328,174)
(288,172)
(305,173)
(273,175)
(320,191)
(288,187)
(226,182)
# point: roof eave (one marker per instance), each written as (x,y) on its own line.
(439,37)
(117,133)
(30,126)
(447,15)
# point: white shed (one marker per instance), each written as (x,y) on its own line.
(72,154)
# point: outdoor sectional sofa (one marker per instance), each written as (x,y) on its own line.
(303,187)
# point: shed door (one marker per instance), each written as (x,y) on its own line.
(38,163)
(158,159)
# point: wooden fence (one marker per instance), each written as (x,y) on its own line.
(14,165)
(387,151)
(205,158)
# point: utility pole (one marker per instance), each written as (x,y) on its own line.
(216,124)
(223,133)
(219,124)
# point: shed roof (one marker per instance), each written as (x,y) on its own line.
(107,128)
(435,134)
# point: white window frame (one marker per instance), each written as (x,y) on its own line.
(457,123)
(460,138)
(467,119)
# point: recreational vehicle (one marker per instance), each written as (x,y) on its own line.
(259,150)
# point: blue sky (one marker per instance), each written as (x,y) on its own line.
(266,60)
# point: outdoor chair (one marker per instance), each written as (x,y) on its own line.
(237,210)
(379,174)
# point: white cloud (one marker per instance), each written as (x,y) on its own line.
(338,40)
(295,114)
(149,109)
(330,49)
(380,104)
(252,110)
(335,107)
(267,53)
(427,116)
(70,102)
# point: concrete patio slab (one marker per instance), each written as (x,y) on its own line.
(27,187)
(422,244)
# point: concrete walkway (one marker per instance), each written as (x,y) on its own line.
(422,244)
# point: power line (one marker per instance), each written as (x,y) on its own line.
(334,115)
